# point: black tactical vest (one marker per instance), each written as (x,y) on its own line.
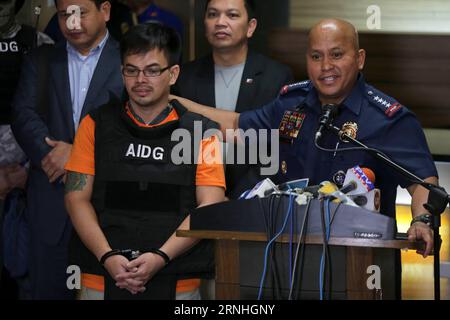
(141,196)
(11,55)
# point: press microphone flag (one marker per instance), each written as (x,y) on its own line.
(357,181)
(359,186)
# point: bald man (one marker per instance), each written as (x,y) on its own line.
(334,64)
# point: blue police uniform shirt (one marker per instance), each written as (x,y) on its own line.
(382,124)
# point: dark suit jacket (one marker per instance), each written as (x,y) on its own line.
(45,200)
(196,82)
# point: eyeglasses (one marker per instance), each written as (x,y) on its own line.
(148,72)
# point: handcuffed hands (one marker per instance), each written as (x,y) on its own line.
(135,274)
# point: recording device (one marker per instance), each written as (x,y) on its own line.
(261,189)
(329,112)
(358,189)
(294,184)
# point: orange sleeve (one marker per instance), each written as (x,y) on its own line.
(210,170)
(82,157)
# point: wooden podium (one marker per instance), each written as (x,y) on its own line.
(359,255)
(240,230)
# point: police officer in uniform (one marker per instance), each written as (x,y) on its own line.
(141,195)
(15,41)
(334,64)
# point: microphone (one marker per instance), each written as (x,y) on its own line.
(261,189)
(370,200)
(329,189)
(329,111)
(359,186)
(358,180)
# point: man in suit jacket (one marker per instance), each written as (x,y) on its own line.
(82,74)
(232,75)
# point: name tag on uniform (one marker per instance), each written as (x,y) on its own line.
(290,125)
(137,151)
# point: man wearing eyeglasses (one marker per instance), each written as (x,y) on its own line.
(83,72)
(125,193)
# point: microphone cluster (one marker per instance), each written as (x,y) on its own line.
(358,189)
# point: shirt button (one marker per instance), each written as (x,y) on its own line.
(283,167)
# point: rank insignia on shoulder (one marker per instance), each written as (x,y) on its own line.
(388,105)
(295,86)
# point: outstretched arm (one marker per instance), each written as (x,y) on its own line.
(226,119)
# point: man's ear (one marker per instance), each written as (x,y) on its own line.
(105,9)
(361,59)
(252,24)
(174,72)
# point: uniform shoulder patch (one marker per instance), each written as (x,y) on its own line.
(304,85)
(388,105)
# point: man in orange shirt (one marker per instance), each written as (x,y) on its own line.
(127,215)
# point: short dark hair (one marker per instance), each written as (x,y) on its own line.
(145,37)
(249,6)
(98,3)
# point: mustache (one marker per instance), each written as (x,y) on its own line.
(75,31)
(141,87)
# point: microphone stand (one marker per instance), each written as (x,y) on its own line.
(438,199)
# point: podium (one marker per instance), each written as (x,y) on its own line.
(237,228)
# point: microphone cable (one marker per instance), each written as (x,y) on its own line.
(269,244)
(298,259)
(275,276)
(291,241)
(270,225)
(325,269)
(327,219)
(349,149)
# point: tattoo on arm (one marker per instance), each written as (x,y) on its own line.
(75,182)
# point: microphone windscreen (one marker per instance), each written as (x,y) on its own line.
(370,174)
(327,187)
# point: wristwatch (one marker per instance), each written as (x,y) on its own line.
(425,218)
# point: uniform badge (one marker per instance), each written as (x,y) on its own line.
(290,125)
(339,178)
(350,129)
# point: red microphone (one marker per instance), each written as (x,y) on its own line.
(370,174)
